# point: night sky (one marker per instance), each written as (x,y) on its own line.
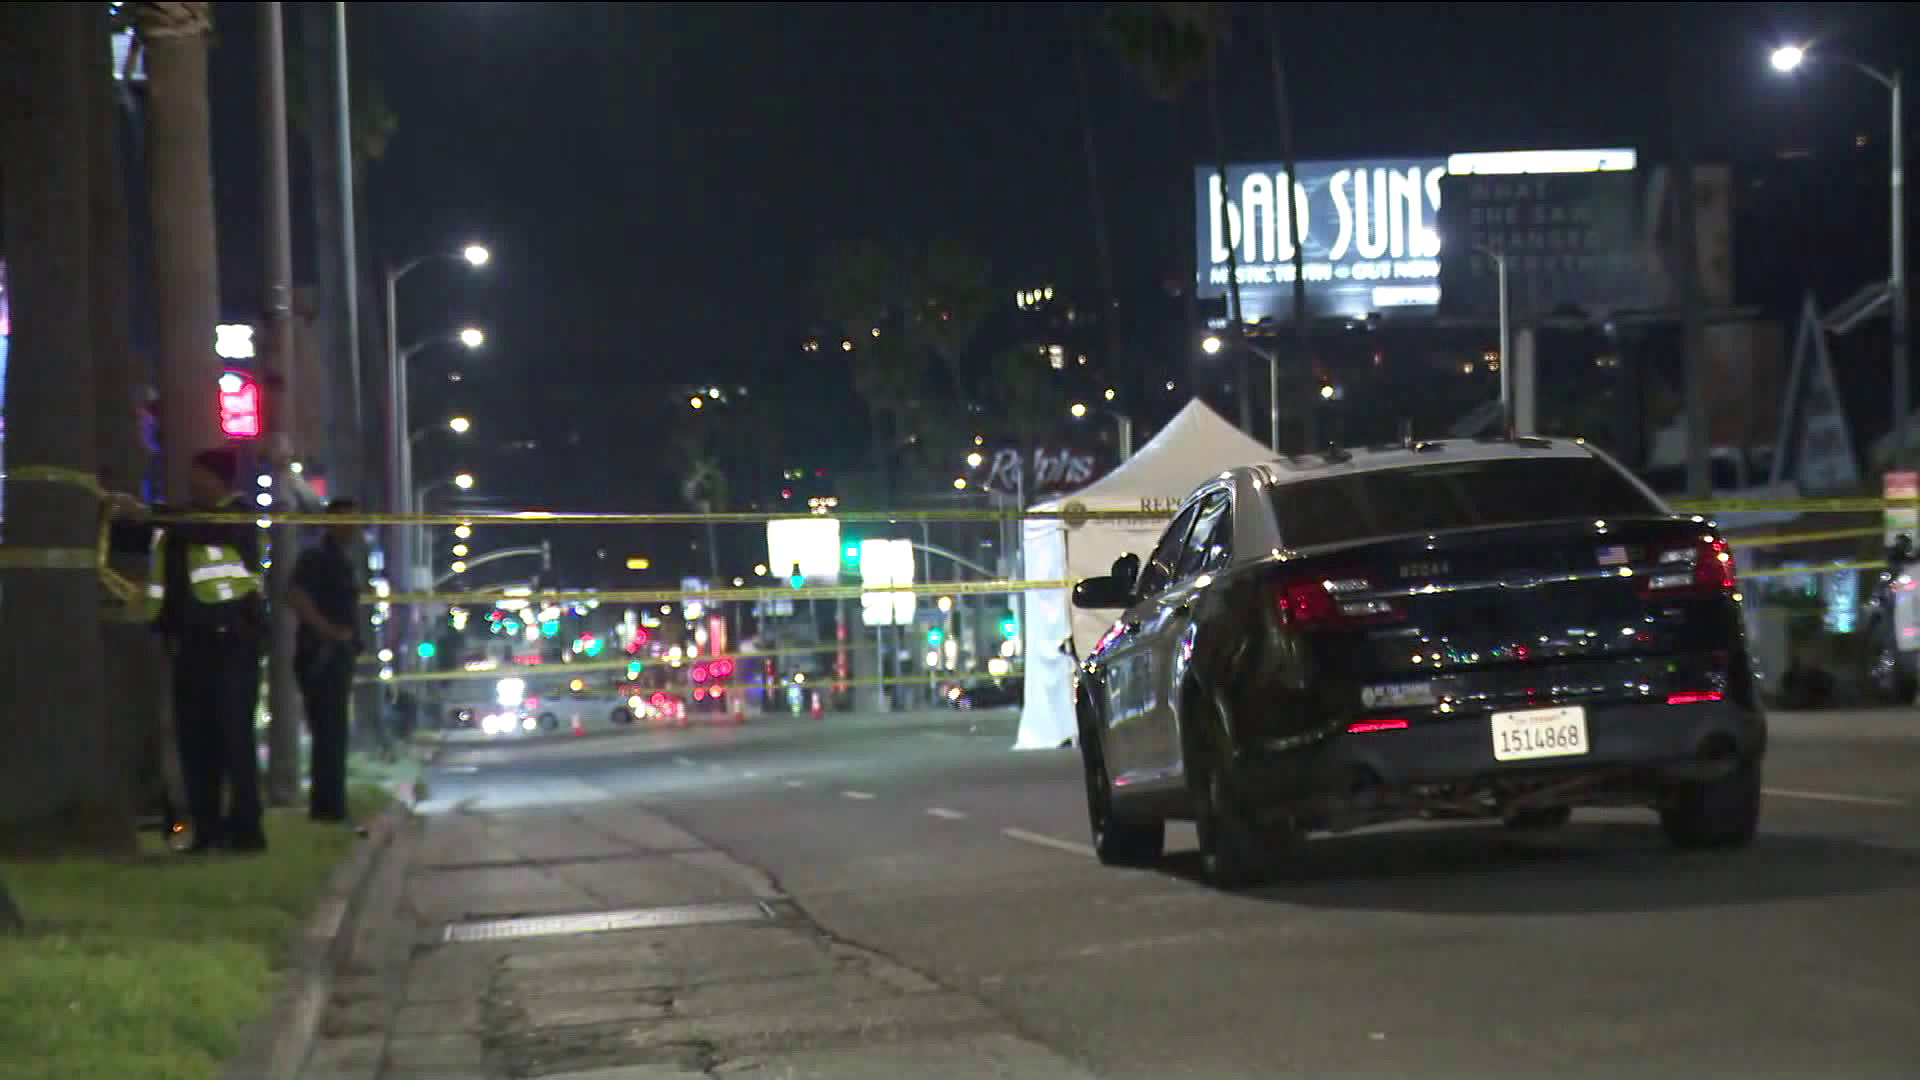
(656,181)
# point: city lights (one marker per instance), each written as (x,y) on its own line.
(463,532)
(464,481)
(1211,345)
(476,254)
(1079,410)
(959,483)
(459,425)
(1788,57)
(473,337)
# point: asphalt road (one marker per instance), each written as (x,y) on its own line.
(1424,952)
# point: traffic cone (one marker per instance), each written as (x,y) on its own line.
(736,709)
(814,710)
(578,729)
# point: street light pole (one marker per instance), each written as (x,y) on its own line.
(1902,390)
(1506,341)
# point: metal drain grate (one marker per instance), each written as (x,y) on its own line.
(601,922)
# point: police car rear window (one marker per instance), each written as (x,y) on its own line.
(1458,495)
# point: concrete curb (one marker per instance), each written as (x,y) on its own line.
(277,1045)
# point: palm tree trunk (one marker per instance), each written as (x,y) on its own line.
(185,270)
(1302,328)
(1236,327)
(334,342)
(1096,201)
(134,710)
(58,792)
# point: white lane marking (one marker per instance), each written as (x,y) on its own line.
(861,795)
(683,761)
(1046,841)
(796,783)
(1831,796)
(458,769)
(945,814)
(751,775)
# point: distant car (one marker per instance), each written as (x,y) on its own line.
(983,694)
(1499,629)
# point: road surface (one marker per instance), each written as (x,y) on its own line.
(1423,952)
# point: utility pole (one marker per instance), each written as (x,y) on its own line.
(1681,60)
(283,726)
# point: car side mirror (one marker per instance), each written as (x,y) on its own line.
(1102,593)
(1126,570)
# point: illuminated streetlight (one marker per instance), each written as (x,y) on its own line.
(760,570)
(464,481)
(974,459)
(459,425)
(979,440)
(473,337)
(476,254)
(1788,57)
(1110,393)
(1079,410)
(959,483)
(463,531)
(696,402)
(1212,345)
(459,551)
(1326,392)
(846,346)
(458,567)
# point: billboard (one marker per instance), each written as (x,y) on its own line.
(1600,241)
(1368,231)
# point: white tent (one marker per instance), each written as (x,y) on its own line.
(1195,444)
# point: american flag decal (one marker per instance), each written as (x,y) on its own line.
(1613,556)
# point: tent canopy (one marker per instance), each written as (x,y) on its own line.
(1196,444)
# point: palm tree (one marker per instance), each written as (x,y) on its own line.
(185,270)
(58,792)
(1170,46)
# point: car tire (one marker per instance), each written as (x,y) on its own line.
(1115,842)
(1722,813)
(1546,817)
(549,722)
(1236,853)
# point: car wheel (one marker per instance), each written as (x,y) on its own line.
(549,721)
(1236,853)
(1547,817)
(1116,843)
(1723,813)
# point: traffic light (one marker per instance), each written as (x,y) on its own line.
(633,669)
(935,636)
(549,627)
(796,579)
(425,650)
(1009,628)
(850,553)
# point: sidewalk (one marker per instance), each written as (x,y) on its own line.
(606,943)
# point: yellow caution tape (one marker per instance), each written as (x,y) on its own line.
(31,558)
(1787,539)
(740,684)
(59,475)
(674,596)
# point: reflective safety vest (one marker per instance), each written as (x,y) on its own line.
(216,574)
(156,590)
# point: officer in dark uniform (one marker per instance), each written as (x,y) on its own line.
(213,619)
(326,599)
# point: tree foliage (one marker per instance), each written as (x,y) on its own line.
(1168,45)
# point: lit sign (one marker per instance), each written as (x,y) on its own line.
(233,341)
(887,562)
(1370,228)
(813,543)
(239,406)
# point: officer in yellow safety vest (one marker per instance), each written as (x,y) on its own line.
(212,615)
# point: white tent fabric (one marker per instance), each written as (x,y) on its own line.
(1195,444)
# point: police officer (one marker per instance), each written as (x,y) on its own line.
(326,599)
(213,619)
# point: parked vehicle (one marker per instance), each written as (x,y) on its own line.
(1498,629)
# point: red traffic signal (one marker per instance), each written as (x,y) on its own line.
(239,406)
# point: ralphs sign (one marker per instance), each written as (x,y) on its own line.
(1370,227)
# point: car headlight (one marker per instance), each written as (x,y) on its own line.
(528,723)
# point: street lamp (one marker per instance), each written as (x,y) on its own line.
(473,337)
(1212,345)
(1506,340)
(464,481)
(399,457)
(1788,58)
(459,425)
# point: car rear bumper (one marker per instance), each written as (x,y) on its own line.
(1638,745)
